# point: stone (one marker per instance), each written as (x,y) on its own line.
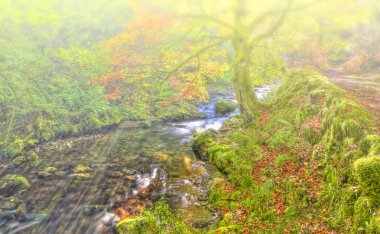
(82,169)
(80,175)
(224,107)
(134,226)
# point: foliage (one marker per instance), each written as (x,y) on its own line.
(291,183)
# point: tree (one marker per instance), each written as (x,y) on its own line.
(246,31)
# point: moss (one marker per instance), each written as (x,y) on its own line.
(268,187)
(224,107)
(367,173)
(339,134)
(12,184)
(17,161)
(33,158)
(14,148)
(374,224)
(134,226)
(281,158)
(370,145)
(362,214)
(282,138)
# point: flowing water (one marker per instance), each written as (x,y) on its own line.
(87,179)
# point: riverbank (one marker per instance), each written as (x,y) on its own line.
(307,165)
(89,183)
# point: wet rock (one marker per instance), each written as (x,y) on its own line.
(10,203)
(117,174)
(144,192)
(203,203)
(107,222)
(91,209)
(51,170)
(224,107)
(201,224)
(203,197)
(134,226)
(135,205)
(82,169)
(13,184)
(44,174)
(33,158)
(130,177)
(17,161)
(129,172)
(81,176)
(163,156)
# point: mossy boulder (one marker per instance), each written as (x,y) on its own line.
(13,184)
(14,149)
(224,107)
(82,169)
(367,173)
(134,226)
(202,141)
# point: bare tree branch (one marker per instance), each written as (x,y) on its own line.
(199,52)
(212,19)
(275,26)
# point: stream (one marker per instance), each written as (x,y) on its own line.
(88,179)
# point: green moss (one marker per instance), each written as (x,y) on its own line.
(367,173)
(340,135)
(33,158)
(14,183)
(362,214)
(282,138)
(374,224)
(370,145)
(134,226)
(281,158)
(14,148)
(159,220)
(224,107)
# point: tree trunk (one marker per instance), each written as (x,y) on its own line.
(244,89)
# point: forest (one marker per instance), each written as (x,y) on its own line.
(201,116)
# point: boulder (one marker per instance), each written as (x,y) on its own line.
(134,226)
(224,107)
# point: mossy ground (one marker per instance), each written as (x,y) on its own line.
(292,171)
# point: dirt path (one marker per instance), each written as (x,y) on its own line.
(365,89)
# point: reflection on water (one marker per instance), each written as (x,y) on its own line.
(84,181)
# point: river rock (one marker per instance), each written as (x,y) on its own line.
(13,184)
(224,107)
(81,175)
(82,169)
(134,226)
(91,209)
(10,203)
(18,161)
